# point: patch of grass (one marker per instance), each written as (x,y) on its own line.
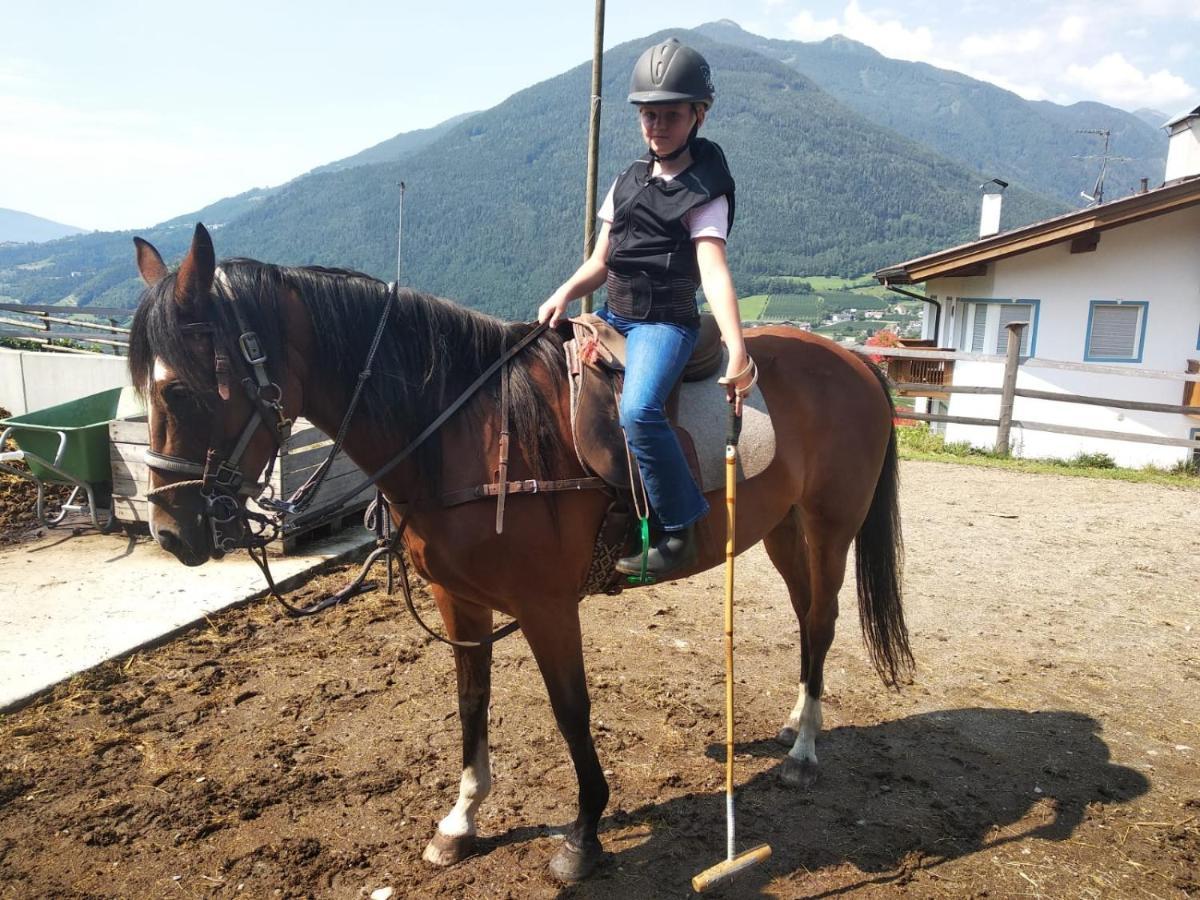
(916,442)
(752,307)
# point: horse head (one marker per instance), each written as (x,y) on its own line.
(216,402)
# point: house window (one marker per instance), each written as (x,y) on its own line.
(982,324)
(1116,331)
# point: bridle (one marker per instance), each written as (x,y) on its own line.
(220,480)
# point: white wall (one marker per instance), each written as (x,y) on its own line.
(31,381)
(1156,260)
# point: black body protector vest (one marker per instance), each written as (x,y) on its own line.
(652,268)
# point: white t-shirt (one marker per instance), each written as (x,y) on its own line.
(710,219)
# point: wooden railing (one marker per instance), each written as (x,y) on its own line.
(39,327)
(1012,361)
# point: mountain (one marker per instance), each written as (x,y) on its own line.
(20,227)
(1151,117)
(1038,145)
(494,205)
(95,272)
(395,148)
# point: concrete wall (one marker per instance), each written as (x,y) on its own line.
(1154,261)
(31,381)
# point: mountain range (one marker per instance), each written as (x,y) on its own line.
(831,179)
(22,227)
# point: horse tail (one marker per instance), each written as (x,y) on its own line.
(879,560)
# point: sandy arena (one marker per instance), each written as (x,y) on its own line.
(1047,746)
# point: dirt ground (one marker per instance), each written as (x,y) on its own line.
(1047,746)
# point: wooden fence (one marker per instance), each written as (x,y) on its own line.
(39,327)
(937,386)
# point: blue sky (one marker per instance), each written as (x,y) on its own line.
(122,114)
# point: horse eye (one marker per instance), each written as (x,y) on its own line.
(176,393)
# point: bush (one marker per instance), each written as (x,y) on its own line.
(1092,461)
(1186,467)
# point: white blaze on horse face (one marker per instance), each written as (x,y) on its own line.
(805,748)
(473,789)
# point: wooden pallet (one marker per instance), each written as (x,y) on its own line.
(302,453)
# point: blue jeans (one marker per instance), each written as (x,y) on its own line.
(655,354)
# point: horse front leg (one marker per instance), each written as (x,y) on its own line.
(552,630)
(455,836)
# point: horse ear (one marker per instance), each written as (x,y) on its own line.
(150,262)
(195,278)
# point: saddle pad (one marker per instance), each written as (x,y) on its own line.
(704,414)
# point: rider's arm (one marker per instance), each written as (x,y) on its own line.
(587,278)
(722,300)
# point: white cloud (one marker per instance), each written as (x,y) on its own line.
(1180,52)
(1003,43)
(889,36)
(807,28)
(1116,80)
(1071,29)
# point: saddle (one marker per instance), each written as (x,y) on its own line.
(596,366)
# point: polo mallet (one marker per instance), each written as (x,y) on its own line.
(732,864)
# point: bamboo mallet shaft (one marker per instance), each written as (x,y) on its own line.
(732,864)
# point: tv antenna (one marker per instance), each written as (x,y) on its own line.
(1096,197)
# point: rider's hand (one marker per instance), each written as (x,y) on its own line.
(553,309)
(739,376)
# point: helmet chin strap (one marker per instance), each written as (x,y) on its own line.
(678,152)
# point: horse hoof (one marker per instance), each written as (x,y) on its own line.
(786,737)
(572,863)
(445,850)
(798,773)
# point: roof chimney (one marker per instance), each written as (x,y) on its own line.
(989,213)
(1183,150)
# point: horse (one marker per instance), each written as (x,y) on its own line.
(833,481)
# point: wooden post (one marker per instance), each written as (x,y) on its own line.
(1191,389)
(1008,391)
(589,225)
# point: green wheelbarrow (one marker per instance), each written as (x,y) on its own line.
(68,444)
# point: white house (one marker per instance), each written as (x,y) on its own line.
(1116,285)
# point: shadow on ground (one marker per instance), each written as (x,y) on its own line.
(892,797)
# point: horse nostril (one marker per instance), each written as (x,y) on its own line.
(168,540)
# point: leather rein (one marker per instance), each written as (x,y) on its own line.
(223,486)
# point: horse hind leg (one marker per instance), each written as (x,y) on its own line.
(455,838)
(827,547)
(786,549)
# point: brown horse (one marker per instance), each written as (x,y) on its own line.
(833,481)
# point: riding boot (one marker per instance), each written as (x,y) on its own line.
(673,551)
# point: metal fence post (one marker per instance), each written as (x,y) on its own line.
(1016,331)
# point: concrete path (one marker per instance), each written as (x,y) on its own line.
(68,603)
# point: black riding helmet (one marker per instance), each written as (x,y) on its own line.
(671,72)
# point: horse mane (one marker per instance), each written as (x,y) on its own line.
(431,351)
